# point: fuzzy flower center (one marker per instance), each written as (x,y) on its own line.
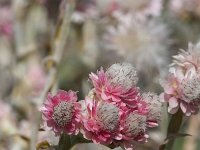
(63,113)
(135,124)
(123,75)
(108,116)
(191,89)
(154,105)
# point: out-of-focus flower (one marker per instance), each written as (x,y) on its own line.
(141,42)
(62,113)
(84,9)
(182,87)
(154,108)
(142,8)
(185,7)
(107,8)
(6,21)
(35,79)
(117,84)
(101,121)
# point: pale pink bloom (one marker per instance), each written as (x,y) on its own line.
(62,112)
(101,121)
(84,10)
(117,84)
(181,90)
(154,108)
(36,79)
(155,8)
(189,60)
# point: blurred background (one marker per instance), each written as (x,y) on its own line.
(145,33)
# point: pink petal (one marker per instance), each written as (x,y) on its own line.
(172,110)
(173,103)
(183,107)
(169,90)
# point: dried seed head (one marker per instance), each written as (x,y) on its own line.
(135,123)
(154,105)
(108,116)
(123,75)
(63,113)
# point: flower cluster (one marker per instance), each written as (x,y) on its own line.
(114,112)
(182,86)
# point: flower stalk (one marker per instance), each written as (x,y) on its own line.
(173,129)
(64,142)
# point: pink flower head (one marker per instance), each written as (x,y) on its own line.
(181,90)
(117,84)
(154,108)
(101,121)
(134,129)
(62,113)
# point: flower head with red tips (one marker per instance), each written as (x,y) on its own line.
(117,84)
(62,112)
(101,121)
(134,128)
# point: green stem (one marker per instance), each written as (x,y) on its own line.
(75,139)
(173,128)
(64,142)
